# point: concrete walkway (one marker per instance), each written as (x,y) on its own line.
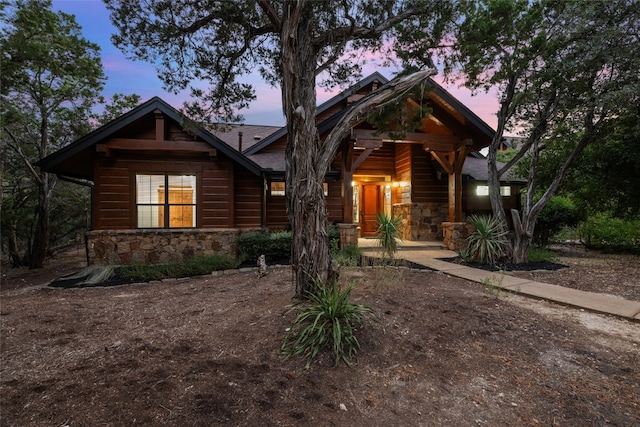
(428,254)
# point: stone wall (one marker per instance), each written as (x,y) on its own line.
(348,235)
(422,221)
(159,246)
(455,234)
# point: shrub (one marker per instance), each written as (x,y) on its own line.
(487,243)
(388,232)
(558,213)
(326,320)
(611,234)
(334,238)
(349,256)
(195,266)
(271,245)
(537,254)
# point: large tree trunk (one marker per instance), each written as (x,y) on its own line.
(524,229)
(306,207)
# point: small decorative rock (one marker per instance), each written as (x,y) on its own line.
(262,266)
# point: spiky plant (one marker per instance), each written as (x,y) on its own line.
(487,243)
(327,319)
(388,232)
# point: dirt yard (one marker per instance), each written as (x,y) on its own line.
(204,351)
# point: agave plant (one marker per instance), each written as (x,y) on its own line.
(487,243)
(327,319)
(388,233)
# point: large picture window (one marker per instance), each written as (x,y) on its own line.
(165,201)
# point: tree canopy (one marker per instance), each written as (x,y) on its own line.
(565,72)
(51,79)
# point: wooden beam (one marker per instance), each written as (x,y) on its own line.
(452,162)
(347,179)
(368,143)
(154,145)
(430,141)
(455,197)
(443,159)
(160,133)
(361,158)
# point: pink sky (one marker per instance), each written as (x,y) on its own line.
(127,76)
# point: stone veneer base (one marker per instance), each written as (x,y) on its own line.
(116,247)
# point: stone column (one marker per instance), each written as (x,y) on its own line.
(455,234)
(348,235)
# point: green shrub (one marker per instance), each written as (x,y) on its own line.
(611,234)
(349,256)
(388,232)
(334,238)
(537,254)
(326,320)
(559,212)
(196,266)
(271,245)
(487,243)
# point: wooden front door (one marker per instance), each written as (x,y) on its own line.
(370,205)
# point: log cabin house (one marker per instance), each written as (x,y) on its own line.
(163,189)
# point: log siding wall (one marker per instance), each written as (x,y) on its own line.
(227,196)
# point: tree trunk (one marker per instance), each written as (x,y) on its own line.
(41,235)
(306,206)
(522,239)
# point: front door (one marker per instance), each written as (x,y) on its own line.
(370,205)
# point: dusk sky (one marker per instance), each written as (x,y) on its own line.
(127,76)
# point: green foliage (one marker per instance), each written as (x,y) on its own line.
(50,78)
(117,106)
(486,244)
(492,286)
(537,254)
(611,234)
(504,156)
(334,238)
(349,256)
(559,212)
(606,175)
(399,116)
(556,80)
(327,319)
(196,266)
(271,245)
(388,232)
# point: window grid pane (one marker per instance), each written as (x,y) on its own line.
(153,201)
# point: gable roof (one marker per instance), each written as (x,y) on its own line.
(251,134)
(463,115)
(61,162)
(342,96)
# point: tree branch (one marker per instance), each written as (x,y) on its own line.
(16,147)
(372,101)
(352,32)
(272,15)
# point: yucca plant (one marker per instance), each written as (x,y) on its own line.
(327,319)
(388,232)
(487,243)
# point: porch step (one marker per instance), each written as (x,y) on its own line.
(405,245)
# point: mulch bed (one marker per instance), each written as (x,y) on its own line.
(507,266)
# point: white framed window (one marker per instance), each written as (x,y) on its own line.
(277,188)
(483,190)
(165,201)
